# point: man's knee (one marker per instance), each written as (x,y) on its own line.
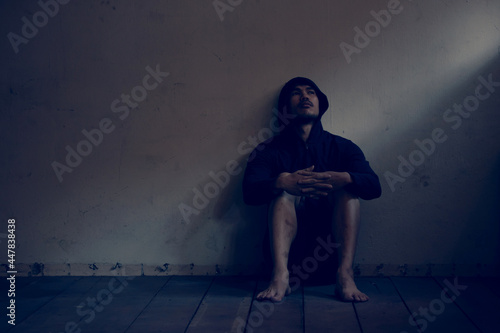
(342,196)
(286,197)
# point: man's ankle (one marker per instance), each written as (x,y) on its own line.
(280,273)
(345,270)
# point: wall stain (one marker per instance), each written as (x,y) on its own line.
(162,269)
(429,270)
(108,3)
(83,212)
(424,180)
(403,269)
(116,266)
(36,269)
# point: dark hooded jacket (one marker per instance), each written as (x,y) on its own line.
(287,152)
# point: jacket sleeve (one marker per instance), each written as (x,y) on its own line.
(366,184)
(260,177)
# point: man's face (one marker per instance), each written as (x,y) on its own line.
(304,103)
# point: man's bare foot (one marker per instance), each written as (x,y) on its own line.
(279,287)
(346,289)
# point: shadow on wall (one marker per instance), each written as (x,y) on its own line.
(478,170)
(430,193)
(245,224)
(479,240)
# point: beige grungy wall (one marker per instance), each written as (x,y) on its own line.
(390,82)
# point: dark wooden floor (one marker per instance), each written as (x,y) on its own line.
(226,304)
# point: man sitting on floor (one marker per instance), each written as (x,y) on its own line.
(312,181)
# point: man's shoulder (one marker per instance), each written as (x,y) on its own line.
(337,138)
(342,144)
(277,141)
(270,146)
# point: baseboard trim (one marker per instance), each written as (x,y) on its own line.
(118,269)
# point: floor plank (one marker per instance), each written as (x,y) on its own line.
(61,311)
(173,307)
(225,305)
(35,295)
(427,301)
(285,316)
(385,311)
(325,313)
(20,284)
(477,301)
(117,313)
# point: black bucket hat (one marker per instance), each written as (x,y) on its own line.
(299,81)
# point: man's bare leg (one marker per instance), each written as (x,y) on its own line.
(282,229)
(346,227)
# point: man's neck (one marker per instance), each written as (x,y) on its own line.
(304,130)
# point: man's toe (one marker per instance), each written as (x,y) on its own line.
(277,297)
(263,295)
